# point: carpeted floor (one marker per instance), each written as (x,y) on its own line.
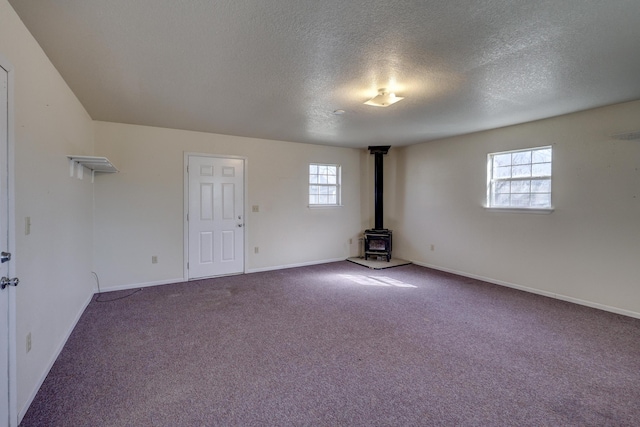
(341,345)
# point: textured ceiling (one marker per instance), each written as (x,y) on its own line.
(277,69)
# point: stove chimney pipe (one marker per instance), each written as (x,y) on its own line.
(378,151)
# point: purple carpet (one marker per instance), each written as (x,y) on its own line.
(342,345)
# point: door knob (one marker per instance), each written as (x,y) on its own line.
(5,281)
(4,257)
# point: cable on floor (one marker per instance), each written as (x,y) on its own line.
(112,299)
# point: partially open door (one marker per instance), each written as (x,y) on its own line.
(8,410)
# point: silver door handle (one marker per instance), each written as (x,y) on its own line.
(240,225)
(5,281)
(4,257)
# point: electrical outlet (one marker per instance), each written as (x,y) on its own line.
(256,250)
(28,342)
(154,259)
(255,208)
(433,247)
(27,225)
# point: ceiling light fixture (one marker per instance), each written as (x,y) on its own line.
(384,98)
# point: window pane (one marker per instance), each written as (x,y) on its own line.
(502,187)
(313,179)
(542,169)
(521,186)
(520,200)
(331,170)
(503,172)
(521,171)
(332,179)
(313,169)
(313,200)
(502,159)
(522,158)
(501,200)
(541,200)
(313,189)
(541,156)
(540,185)
(322,200)
(332,199)
(322,179)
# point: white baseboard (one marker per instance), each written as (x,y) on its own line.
(141,285)
(302,264)
(182,279)
(535,291)
(53,359)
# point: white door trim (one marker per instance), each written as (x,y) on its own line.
(13,387)
(186,206)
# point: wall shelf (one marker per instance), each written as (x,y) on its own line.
(94,164)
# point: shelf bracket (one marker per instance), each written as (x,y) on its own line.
(95,164)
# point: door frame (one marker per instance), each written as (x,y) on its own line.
(245,201)
(13,387)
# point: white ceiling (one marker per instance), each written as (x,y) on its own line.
(277,69)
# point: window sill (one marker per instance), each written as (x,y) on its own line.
(521,210)
(323,206)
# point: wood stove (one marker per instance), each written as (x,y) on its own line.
(377,241)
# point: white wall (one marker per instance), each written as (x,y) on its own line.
(54,261)
(588,249)
(139,211)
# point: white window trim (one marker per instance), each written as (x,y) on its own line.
(513,209)
(521,210)
(338,187)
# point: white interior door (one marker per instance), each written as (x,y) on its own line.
(215,216)
(6,416)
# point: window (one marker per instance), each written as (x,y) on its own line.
(520,179)
(324,185)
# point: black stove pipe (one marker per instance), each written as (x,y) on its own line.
(378,152)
